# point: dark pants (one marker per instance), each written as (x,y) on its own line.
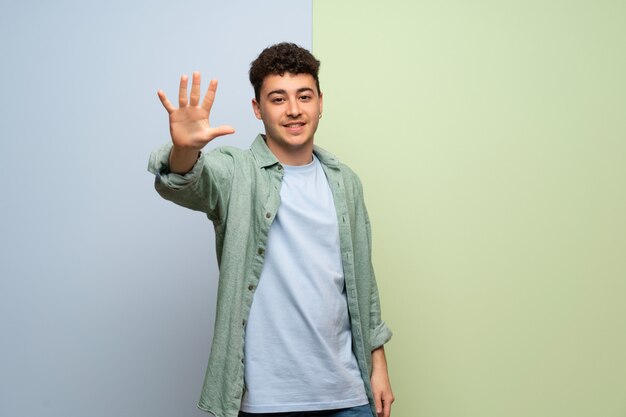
(360,411)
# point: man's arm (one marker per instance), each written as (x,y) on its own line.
(181,177)
(189,123)
(381,388)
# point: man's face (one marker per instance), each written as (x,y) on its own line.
(290,108)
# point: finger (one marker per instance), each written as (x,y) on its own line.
(194,97)
(387,401)
(386,408)
(222,130)
(182,92)
(166,103)
(379,403)
(207,103)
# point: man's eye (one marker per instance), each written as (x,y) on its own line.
(278,100)
(305,98)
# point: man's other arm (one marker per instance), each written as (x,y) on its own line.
(381,387)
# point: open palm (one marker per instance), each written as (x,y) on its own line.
(189,123)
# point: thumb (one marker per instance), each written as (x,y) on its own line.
(222,130)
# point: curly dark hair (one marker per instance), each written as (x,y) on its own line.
(279,59)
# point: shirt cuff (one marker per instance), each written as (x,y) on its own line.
(159,166)
(379,335)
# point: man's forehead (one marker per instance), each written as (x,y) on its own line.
(288,82)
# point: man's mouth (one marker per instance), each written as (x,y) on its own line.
(294,127)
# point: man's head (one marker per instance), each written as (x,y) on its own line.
(280,59)
(288,100)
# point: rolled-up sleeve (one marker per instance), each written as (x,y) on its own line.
(204,188)
(380,335)
(159,166)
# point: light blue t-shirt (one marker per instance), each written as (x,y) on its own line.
(298,344)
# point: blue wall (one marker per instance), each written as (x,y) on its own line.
(107,292)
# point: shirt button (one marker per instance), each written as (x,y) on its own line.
(250,288)
(260,251)
(280,167)
(268,215)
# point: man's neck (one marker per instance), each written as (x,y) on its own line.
(302,155)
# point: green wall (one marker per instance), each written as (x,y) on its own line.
(491,140)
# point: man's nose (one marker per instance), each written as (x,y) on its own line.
(293,108)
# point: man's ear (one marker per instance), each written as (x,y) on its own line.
(321,102)
(257,109)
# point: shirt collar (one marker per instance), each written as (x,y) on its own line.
(325,157)
(262,153)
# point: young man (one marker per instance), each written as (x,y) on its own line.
(298,330)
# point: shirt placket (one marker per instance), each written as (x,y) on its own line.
(269,210)
(345,237)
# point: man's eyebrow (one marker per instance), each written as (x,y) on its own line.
(276,92)
(281,91)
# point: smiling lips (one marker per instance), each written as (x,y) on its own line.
(294,126)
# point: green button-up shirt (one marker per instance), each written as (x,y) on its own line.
(239,190)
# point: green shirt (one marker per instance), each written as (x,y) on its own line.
(239,190)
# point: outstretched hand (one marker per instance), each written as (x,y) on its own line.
(189,123)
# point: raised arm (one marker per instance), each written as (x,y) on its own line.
(189,123)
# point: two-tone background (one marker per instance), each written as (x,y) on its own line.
(491,141)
